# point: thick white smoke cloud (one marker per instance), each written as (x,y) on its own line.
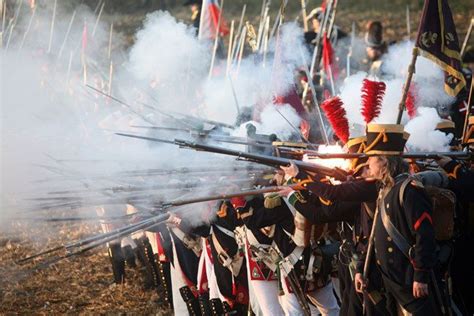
(428,83)
(423,136)
(50,118)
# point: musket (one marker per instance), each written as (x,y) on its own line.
(336,173)
(85,241)
(149,198)
(294,283)
(206,135)
(158,140)
(368,259)
(72,219)
(100,239)
(164,128)
(92,245)
(225,196)
(407,155)
(202,120)
(132,188)
(221,139)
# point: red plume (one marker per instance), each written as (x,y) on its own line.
(333,108)
(410,102)
(372,96)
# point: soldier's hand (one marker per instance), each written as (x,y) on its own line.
(173,220)
(285,191)
(420,289)
(359,283)
(291,171)
(279,177)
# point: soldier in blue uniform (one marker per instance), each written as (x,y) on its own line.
(404,238)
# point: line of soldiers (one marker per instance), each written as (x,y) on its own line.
(389,241)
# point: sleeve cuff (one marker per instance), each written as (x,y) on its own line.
(422,276)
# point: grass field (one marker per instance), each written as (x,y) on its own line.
(391,13)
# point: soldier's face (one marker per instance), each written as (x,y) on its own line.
(316,25)
(373,53)
(376,167)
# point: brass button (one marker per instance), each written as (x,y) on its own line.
(390,249)
(388,205)
(389,238)
(378,262)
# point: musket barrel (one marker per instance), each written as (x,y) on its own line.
(264,159)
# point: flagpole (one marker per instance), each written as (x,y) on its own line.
(265,40)
(4,16)
(349,53)
(98,18)
(33,13)
(241,47)
(67,34)
(468,113)
(229,51)
(238,33)
(216,41)
(111,72)
(466,39)
(406,87)
(408,22)
(304,15)
(52,27)
(201,19)
(310,85)
(13,21)
(315,56)
(261,24)
(109,53)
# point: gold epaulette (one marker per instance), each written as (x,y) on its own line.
(222,211)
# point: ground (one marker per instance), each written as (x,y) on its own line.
(84,284)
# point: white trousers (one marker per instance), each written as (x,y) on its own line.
(179,306)
(205,261)
(323,298)
(263,295)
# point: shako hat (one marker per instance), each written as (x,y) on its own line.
(374,34)
(357,145)
(446,126)
(191,2)
(385,139)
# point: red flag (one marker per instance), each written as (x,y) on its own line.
(323,5)
(210,13)
(329,63)
(410,103)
